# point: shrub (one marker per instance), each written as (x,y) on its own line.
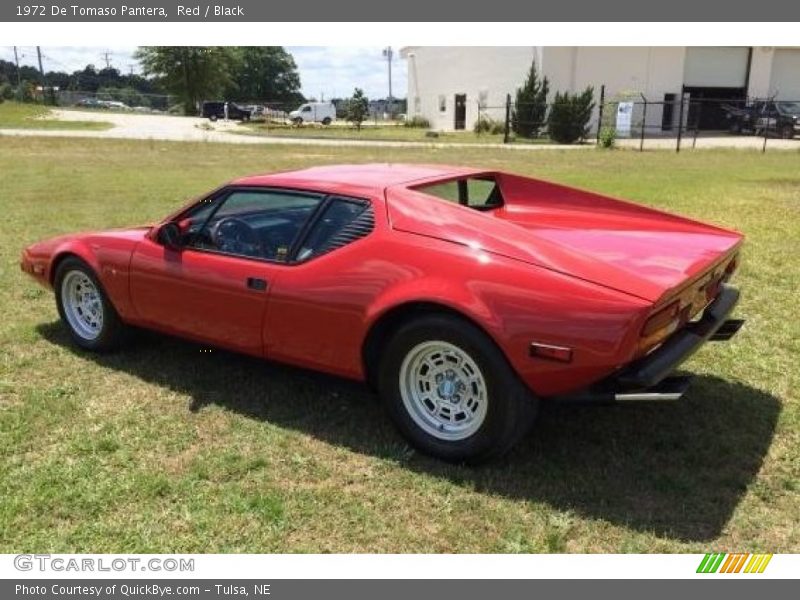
(6,91)
(482,126)
(568,121)
(608,137)
(488,125)
(530,106)
(418,122)
(357,108)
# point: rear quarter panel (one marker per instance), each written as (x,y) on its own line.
(320,313)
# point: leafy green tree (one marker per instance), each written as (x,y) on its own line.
(193,73)
(357,108)
(568,121)
(265,73)
(530,106)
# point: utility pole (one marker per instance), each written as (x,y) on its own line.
(107,58)
(19,75)
(41,70)
(39,56)
(387,54)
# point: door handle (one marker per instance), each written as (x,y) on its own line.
(256,283)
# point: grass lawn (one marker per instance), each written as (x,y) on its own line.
(164,448)
(15,115)
(389,133)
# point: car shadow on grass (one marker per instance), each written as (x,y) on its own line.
(677,470)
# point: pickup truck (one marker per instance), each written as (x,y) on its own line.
(761,117)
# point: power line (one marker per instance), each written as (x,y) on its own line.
(107,58)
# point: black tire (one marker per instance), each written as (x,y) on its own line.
(787,132)
(297,121)
(326,121)
(212,118)
(112,330)
(245,118)
(511,407)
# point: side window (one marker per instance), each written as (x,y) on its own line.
(342,221)
(481,193)
(254,223)
(306,109)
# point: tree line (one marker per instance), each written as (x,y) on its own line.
(190,73)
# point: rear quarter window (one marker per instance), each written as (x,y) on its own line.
(342,222)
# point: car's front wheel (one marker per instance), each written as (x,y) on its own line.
(451,391)
(84,307)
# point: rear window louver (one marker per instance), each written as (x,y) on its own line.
(356,229)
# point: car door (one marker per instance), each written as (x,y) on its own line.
(316,315)
(214,288)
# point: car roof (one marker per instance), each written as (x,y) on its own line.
(364,178)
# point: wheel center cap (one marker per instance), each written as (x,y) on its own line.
(447,388)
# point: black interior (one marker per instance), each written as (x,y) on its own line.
(266,234)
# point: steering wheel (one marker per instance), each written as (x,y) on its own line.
(234,235)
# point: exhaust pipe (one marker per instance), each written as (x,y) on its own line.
(669,390)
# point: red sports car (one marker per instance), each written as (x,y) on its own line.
(463,296)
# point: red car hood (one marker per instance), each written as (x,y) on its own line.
(628,247)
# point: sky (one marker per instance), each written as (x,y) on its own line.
(325,71)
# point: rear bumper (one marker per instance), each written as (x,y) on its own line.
(713,325)
(648,378)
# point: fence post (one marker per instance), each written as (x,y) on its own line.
(644,120)
(508,118)
(680,124)
(766,132)
(600,112)
(697,123)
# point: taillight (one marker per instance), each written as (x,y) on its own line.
(730,269)
(665,319)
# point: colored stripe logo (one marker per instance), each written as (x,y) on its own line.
(734,563)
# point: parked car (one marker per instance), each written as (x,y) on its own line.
(781,118)
(216,110)
(90,103)
(314,112)
(465,297)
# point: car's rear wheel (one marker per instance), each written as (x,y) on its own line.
(787,132)
(85,308)
(212,118)
(451,391)
(326,121)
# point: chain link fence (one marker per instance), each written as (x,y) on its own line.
(679,121)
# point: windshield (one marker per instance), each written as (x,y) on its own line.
(789,108)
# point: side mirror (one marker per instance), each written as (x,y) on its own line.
(169,235)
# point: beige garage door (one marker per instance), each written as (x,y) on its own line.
(715,67)
(786,74)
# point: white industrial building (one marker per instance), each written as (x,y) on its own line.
(447,85)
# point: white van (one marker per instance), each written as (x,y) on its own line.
(314,112)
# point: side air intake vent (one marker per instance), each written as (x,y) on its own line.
(356,229)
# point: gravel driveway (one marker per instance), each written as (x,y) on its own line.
(195,129)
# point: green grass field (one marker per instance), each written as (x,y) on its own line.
(371,132)
(164,448)
(15,115)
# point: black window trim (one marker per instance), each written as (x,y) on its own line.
(220,195)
